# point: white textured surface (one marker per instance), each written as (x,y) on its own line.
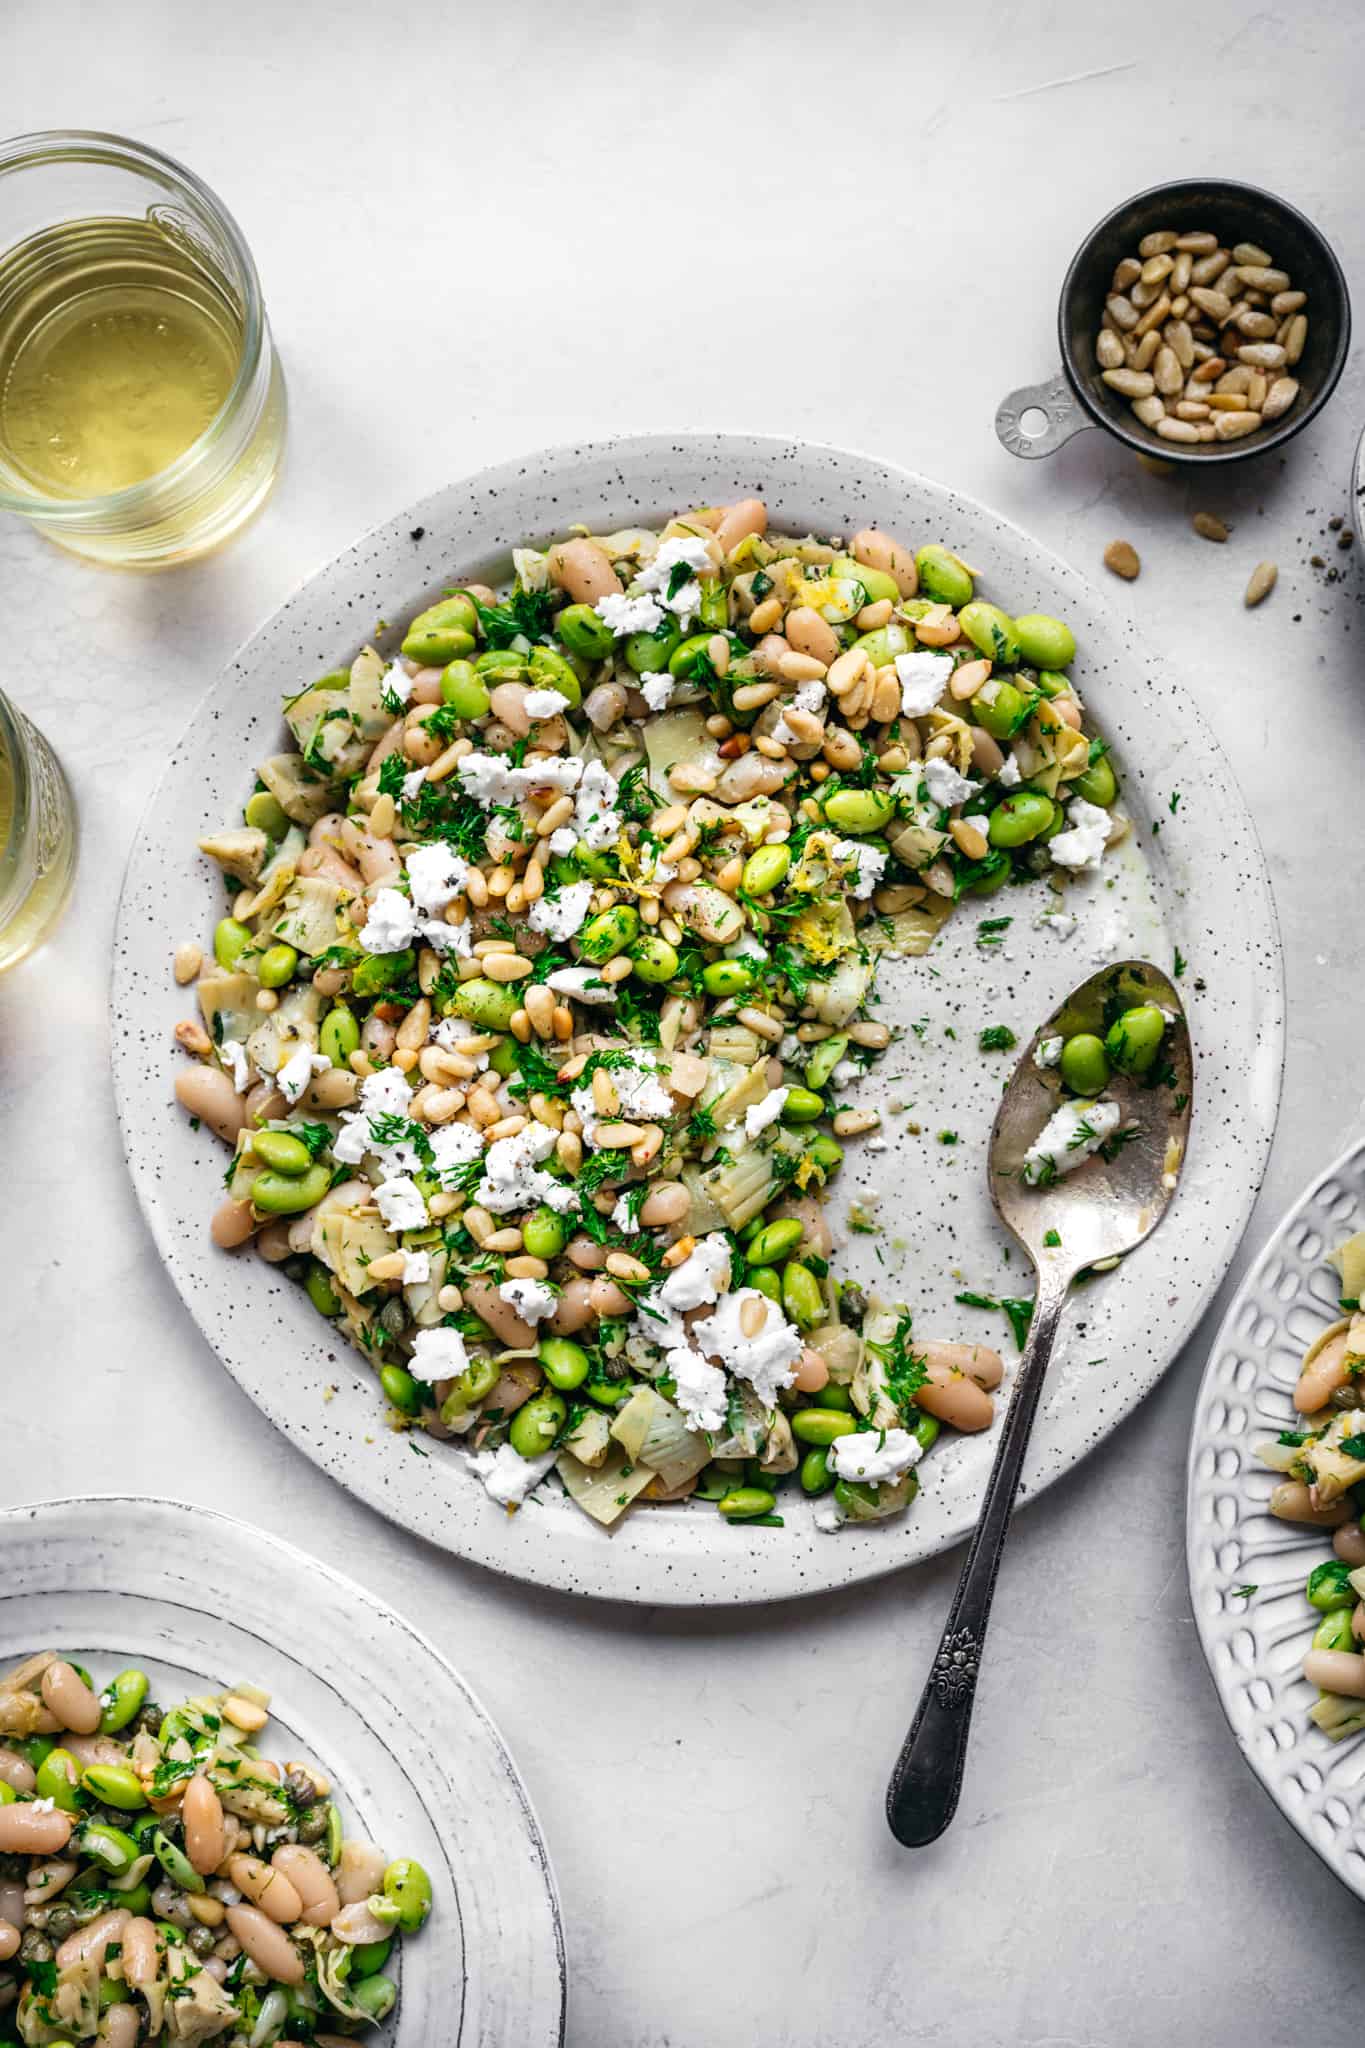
(874,267)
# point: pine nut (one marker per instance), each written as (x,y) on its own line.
(1263,579)
(1263,355)
(622,1266)
(678,1252)
(539,1004)
(718,653)
(383,817)
(523,1267)
(805,725)
(690,781)
(1177,430)
(1122,557)
(507,967)
(752,1316)
(850,1123)
(974,843)
(563,1021)
(1279,397)
(1142,356)
(193,1038)
(1231,426)
(867,1033)
(1150,410)
(508,1239)
(800,668)
(1208,527)
(188,960)
(1108,349)
(886,699)
(618,1137)
(846,671)
(765,616)
(506,1127)
(1155,244)
(1298,336)
(764,1026)
(569,1150)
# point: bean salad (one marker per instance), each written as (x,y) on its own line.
(162,1881)
(539,1017)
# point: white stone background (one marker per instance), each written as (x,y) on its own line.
(484,230)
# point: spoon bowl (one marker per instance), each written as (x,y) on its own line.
(1078,1202)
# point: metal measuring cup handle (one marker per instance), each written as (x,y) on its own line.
(1056,401)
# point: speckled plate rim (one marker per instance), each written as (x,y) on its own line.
(368,1694)
(1214,861)
(1254,1646)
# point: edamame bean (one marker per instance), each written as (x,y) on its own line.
(278,1194)
(925,1431)
(1329,1587)
(380,971)
(832,1395)
(1334,1631)
(1084,1064)
(375,1996)
(824,1060)
(8,1795)
(368,1957)
(727,977)
(875,582)
(884,643)
(534,1428)
(1099,784)
(766,1280)
(1005,712)
(608,1393)
(544,1234)
(550,671)
(125,1696)
(1051,684)
(1134,1039)
(474,1384)
(116,1785)
(339,1036)
(714,608)
(608,934)
(175,1863)
(265,813)
(826,1153)
(502,1058)
(774,1241)
(564,1363)
(464,690)
(230,941)
(742,1503)
(815,1474)
(1020,818)
(318,1287)
(687,651)
(107,1847)
(584,632)
(282,1152)
(1044,642)
(943,577)
(503,664)
(859,810)
(822,1425)
(407,1885)
(648,653)
(801,1296)
(276,966)
(802,1106)
(401,1390)
(491,1004)
(764,869)
(58,1776)
(653,959)
(991,631)
(442,632)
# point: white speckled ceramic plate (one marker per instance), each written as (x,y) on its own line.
(1191,878)
(1255,1644)
(198,1601)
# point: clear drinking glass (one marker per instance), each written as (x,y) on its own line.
(37,836)
(99,239)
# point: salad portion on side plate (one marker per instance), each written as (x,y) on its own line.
(541,1009)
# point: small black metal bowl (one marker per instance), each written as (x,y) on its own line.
(1077,396)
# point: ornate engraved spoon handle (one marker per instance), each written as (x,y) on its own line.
(922,1796)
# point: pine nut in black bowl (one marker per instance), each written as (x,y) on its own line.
(1191,337)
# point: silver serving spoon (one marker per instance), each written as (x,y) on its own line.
(1069,1223)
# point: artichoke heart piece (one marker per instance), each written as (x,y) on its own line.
(240,851)
(603,1491)
(352,1240)
(304,794)
(308,915)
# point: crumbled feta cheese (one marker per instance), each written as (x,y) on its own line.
(1111,944)
(401,1204)
(539,704)
(513,1178)
(981,822)
(439,1354)
(696,1282)
(1049,1052)
(398,681)
(232,1057)
(584,984)
(436,876)
(1083,845)
(448,938)
(507,1476)
(298,1070)
(657,689)
(533,1300)
(923,679)
(624,1218)
(391,923)
(945,786)
(453,1032)
(868,863)
(1068,1139)
(595,821)
(768,1360)
(416,1268)
(452,1146)
(872,1457)
(1009,774)
(683,550)
(563,840)
(829,1516)
(385,1093)
(759,1115)
(810,696)
(845,1074)
(1063,922)
(700,1388)
(559,917)
(491,778)
(639,1093)
(42,1806)
(629,614)
(412,783)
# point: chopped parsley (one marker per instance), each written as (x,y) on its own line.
(997,1038)
(1017,1312)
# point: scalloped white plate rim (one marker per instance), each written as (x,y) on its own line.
(515,1898)
(1313,1545)
(659,1560)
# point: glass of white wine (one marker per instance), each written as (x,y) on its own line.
(142,407)
(37,836)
